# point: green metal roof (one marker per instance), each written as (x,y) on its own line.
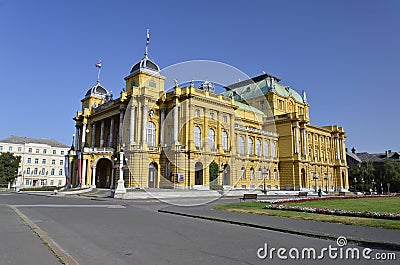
(248,108)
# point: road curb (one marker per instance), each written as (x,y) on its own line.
(60,253)
(363,243)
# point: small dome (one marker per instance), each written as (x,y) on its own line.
(145,64)
(97,90)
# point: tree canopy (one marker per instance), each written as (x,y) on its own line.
(8,167)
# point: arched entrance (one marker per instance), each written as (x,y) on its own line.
(303,178)
(227,175)
(198,174)
(103,173)
(153,180)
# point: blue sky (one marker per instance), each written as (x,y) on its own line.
(344,53)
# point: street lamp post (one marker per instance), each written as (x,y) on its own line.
(326,183)
(362,185)
(373,185)
(355,185)
(315,180)
(264,176)
(120,191)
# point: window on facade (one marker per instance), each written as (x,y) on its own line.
(35,171)
(197,136)
(44,151)
(42,182)
(36,160)
(258,147)
(61,162)
(30,150)
(43,171)
(10,148)
(37,151)
(27,182)
(60,172)
(54,152)
(250,146)
(266,147)
(59,182)
(152,84)
(275,174)
(225,140)
(241,145)
(151,134)
(327,156)
(260,173)
(53,162)
(212,116)
(197,113)
(262,104)
(29,160)
(243,173)
(51,182)
(267,174)
(43,161)
(316,155)
(1,148)
(19,149)
(28,170)
(323,156)
(251,173)
(52,172)
(224,119)
(62,152)
(273,151)
(211,138)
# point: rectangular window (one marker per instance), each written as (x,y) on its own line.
(42,182)
(1,148)
(44,151)
(10,148)
(27,182)
(19,149)
(133,84)
(61,162)
(36,160)
(60,172)
(224,119)
(53,162)
(212,116)
(152,84)
(30,150)
(51,182)
(29,160)
(197,113)
(43,161)
(37,151)
(62,152)
(262,104)
(59,183)
(54,152)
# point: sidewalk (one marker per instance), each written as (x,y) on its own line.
(19,244)
(366,236)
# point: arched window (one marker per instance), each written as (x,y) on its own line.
(273,151)
(241,145)
(60,172)
(28,170)
(266,148)
(251,173)
(250,146)
(43,171)
(151,134)
(275,174)
(260,176)
(197,136)
(211,138)
(258,147)
(225,140)
(243,173)
(52,172)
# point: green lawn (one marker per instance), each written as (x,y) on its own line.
(382,205)
(388,204)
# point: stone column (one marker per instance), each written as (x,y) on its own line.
(77,137)
(83,136)
(162,131)
(112,178)
(296,139)
(232,133)
(337,148)
(93,134)
(176,123)
(204,132)
(111,137)
(144,124)
(94,177)
(304,136)
(102,133)
(132,125)
(69,173)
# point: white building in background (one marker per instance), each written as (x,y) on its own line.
(42,160)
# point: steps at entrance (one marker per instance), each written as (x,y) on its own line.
(97,193)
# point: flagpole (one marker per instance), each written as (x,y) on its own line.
(98,75)
(147,42)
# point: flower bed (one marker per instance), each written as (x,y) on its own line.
(278,205)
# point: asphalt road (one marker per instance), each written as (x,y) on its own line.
(120,232)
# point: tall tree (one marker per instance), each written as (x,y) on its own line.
(213,171)
(8,167)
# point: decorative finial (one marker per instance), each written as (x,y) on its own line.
(176,82)
(304,96)
(192,83)
(147,43)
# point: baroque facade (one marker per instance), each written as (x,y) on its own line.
(42,160)
(257,133)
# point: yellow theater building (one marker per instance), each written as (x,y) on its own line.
(256,134)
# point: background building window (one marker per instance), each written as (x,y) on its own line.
(35,171)
(225,140)
(60,172)
(10,148)
(52,172)
(62,152)
(42,182)
(53,162)
(151,134)
(266,148)
(28,170)
(197,113)
(260,173)
(211,138)
(37,151)
(224,119)
(251,173)
(243,173)
(197,136)
(44,151)
(258,147)
(241,145)
(275,174)
(273,149)
(250,146)
(30,150)
(36,160)
(212,116)
(43,171)
(29,160)
(43,161)
(61,162)
(51,182)
(54,152)
(19,149)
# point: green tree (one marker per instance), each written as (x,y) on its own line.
(213,171)
(8,167)
(390,171)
